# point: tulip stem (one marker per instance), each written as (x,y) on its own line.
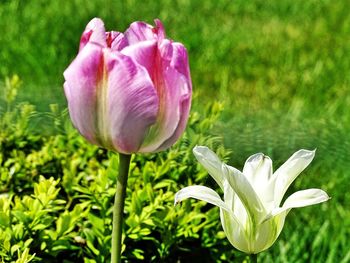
(118,207)
(253,258)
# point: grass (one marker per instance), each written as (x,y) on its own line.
(280,67)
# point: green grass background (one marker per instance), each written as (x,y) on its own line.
(281,68)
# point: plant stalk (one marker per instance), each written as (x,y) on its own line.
(118,207)
(253,258)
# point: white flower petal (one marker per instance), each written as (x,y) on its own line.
(258,170)
(301,199)
(229,196)
(234,203)
(206,194)
(268,232)
(211,163)
(235,233)
(201,193)
(286,174)
(246,193)
(305,198)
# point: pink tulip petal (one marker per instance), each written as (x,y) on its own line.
(183,81)
(117,41)
(133,102)
(139,31)
(184,108)
(174,90)
(179,60)
(94,32)
(144,53)
(159,29)
(81,78)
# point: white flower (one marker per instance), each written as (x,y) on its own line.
(250,213)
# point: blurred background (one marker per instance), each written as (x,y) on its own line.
(280,69)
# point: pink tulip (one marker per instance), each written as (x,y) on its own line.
(129,92)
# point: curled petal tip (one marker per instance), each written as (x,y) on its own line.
(304,152)
(95,22)
(198,149)
(159,28)
(94,32)
(139,31)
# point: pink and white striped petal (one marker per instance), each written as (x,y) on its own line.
(174,91)
(117,41)
(94,32)
(81,78)
(133,102)
(139,31)
(144,53)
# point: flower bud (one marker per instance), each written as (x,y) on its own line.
(129,92)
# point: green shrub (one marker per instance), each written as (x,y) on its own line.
(57,194)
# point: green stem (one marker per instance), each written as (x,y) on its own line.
(253,258)
(118,207)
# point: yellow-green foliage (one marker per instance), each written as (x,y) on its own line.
(57,194)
